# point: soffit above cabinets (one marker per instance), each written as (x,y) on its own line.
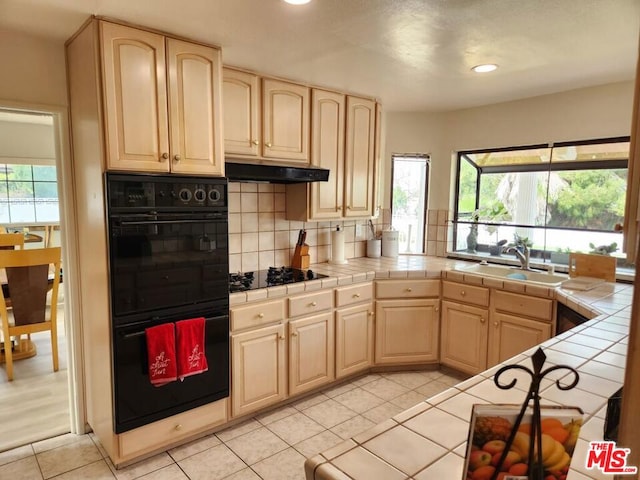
(414,55)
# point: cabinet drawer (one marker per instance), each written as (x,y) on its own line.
(168,431)
(310,303)
(466,293)
(535,307)
(404,289)
(354,294)
(255,315)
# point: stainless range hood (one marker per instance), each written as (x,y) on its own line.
(260,173)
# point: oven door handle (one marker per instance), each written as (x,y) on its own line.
(142,332)
(159,222)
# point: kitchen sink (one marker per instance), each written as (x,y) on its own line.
(512,273)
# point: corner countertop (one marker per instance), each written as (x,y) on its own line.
(428,440)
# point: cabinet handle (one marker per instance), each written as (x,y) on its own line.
(261,315)
(356,295)
(348,207)
(294,334)
(255,142)
(495,324)
(371,314)
(463,293)
(281,337)
(482,320)
(313,304)
(178,427)
(437,309)
(165,155)
(176,158)
(409,290)
(268,144)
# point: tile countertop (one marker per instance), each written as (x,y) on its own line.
(428,440)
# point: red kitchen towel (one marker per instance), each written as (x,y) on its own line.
(161,353)
(191,353)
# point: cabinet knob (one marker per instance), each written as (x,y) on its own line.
(255,142)
(176,158)
(268,144)
(348,207)
(437,309)
(495,324)
(294,334)
(482,320)
(371,314)
(281,337)
(463,293)
(356,295)
(165,155)
(313,304)
(261,315)
(178,427)
(409,290)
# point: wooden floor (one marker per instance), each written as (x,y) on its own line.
(35,406)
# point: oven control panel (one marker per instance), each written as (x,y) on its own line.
(151,191)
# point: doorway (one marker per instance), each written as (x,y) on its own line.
(34,169)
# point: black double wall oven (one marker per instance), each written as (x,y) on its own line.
(168,261)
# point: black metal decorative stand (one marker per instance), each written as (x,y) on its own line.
(536,467)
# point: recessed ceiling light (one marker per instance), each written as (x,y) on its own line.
(297,2)
(485,67)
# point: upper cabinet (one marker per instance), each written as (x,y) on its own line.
(162,103)
(345,135)
(359,157)
(265,118)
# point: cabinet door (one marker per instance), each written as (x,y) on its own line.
(463,338)
(354,339)
(510,335)
(195,110)
(135,96)
(327,151)
(407,331)
(258,372)
(285,121)
(241,107)
(359,157)
(311,352)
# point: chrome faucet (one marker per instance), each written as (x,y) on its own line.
(523,255)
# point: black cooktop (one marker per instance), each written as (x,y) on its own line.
(243,281)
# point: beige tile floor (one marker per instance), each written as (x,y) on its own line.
(269,446)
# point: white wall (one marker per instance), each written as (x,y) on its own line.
(33,69)
(587,113)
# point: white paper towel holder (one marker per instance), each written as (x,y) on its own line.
(337,247)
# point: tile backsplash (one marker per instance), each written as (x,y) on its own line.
(260,236)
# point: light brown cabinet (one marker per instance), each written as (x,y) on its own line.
(464,337)
(162,103)
(354,339)
(258,369)
(265,118)
(407,331)
(311,352)
(510,335)
(345,133)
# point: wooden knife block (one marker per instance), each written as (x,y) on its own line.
(301,258)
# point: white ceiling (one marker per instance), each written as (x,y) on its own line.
(412,54)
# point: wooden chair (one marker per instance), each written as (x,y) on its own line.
(11,241)
(28,281)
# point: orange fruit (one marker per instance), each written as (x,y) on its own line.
(549,423)
(558,433)
(525,428)
(483,473)
(518,469)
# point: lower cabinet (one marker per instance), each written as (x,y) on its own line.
(510,335)
(407,331)
(354,339)
(258,368)
(311,352)
(464,337)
